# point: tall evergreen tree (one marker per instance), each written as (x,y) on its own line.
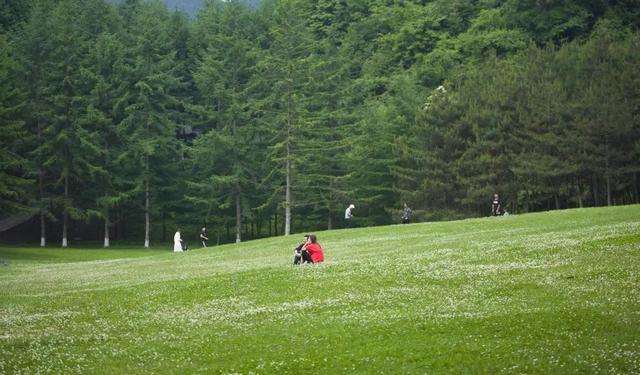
(67,146)
(153,149)
(105,75)
(15,184)
(285,69)
(222,77)
(35,53)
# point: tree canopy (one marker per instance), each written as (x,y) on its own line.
(129,120)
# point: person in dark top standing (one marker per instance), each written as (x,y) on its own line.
(496,208)
(300,255)
(203,237)
(406,214)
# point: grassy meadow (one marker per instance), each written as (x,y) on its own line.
(547,293)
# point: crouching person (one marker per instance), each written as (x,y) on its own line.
(314,249)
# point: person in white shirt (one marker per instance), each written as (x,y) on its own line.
(348,215)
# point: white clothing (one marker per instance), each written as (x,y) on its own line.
(347,213)
(177,242)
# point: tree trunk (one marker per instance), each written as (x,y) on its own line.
(287,197)
(238,215)
(579,195)
(64,212)
(596,195)
(164,226)
(635,188)
(41,191)
(42,215)
(607,172)
(106,229)
(146,211)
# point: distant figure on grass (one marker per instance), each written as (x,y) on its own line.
(496,208)
(203,237)
(406,214)
(348,215)
(177,242)
(314,249)
(300,255)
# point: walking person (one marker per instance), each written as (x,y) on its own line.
(203,237)
(348,215)
(406,214)
(177,242)
(496,208)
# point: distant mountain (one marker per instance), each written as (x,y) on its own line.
(191,7)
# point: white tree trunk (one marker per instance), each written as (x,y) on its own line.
(238,216)
(65,215)
(106,230)
(146,213)
(287,201)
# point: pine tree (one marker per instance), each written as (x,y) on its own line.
(105,76)
(285,69)
(222,77)
(15,184)
(153,149)
(35,52)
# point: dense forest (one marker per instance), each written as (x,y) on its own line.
(127,121)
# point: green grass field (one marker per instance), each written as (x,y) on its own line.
(546,293)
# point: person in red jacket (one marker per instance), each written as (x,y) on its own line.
(314,249)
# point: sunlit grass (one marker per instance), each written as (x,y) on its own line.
(554,292)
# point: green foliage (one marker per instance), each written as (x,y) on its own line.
(15,184)
(273,119)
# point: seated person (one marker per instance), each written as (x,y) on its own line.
(314,249)
(298,255)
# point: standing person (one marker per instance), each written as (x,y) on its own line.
(348,215)
(203,237)
(406,214)
(177,242)
(496,208)
(314,249)
(300,256)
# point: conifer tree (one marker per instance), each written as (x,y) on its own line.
(284,69)
(153,150)
(105,74)
(35,53)
(68,146)
(222,77)
(15,184)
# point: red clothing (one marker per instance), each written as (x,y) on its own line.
(315,250)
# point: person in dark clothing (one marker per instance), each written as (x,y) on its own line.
(496,208)
(203,237)
(299,254)
(406,214)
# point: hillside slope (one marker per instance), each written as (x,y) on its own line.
(549,292)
